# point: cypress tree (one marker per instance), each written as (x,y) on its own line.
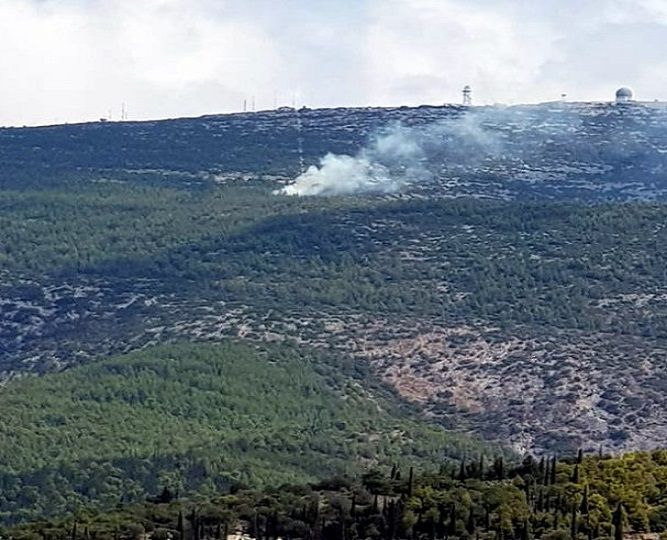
(575,474)
(180,526)
(440,529)
(553,471)
(617,522)
(546,472)
(525,530)
(391,521)
(580,456)
(462,470)
(584,502)
(540,501)
(452,519)
(499,468)
(73,536)
(255,525)
(471,526)
(410,480)
(573,523)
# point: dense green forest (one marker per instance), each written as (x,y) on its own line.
(200,418)
(110,263)
(212,352)
(512,264)
(583,498)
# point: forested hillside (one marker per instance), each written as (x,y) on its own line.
(201,418)
(518,294)
(539,323)
(599,497)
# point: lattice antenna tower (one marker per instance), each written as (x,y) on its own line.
(467,96)
(299,140)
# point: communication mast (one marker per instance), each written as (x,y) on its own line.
(467,96)
(299,140)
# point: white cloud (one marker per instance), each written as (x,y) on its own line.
(70,60)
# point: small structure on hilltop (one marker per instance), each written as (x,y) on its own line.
(467,95)
(624,95)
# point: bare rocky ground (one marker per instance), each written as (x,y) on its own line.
(535,392)
(524,386)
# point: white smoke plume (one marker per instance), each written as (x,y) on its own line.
(479,138)
(392,159)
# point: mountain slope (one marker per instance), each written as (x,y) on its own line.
(543,325)
(199,417)
(583,151)
(534,318)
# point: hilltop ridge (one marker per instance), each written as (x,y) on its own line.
(583,151)
(492,294)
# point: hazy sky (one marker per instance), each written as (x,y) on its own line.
(71,60)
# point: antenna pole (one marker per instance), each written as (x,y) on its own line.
(467,96)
